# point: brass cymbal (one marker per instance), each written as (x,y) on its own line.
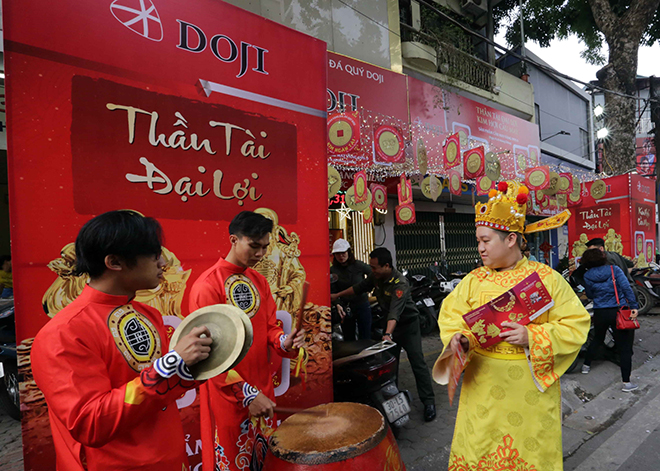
(231,331)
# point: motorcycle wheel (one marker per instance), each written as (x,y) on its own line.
(423,323)
(427,320)
(645,301)
(10,397)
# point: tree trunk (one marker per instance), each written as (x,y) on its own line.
(620,75)
(623,35)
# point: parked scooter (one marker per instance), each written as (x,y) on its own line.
(366,371)
(421,291)
(647,282)
(9,379)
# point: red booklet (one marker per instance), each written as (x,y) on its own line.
(522,304)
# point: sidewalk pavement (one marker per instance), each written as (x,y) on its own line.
(590,404)
(425,446)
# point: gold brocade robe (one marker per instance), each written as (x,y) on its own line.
(509,414)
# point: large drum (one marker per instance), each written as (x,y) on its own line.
(338,436)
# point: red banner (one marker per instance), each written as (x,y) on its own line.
(436,113)
(191,114)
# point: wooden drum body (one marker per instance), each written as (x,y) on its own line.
(340,436)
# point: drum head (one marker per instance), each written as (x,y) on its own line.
(348,430)
(231,338)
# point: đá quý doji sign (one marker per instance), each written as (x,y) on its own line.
(621,210)
(358,95)
(188,112)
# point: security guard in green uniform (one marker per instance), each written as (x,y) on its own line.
(393,293)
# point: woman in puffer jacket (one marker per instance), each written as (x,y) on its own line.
(599,286)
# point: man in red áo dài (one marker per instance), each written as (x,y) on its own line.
(99,362)
(237,416)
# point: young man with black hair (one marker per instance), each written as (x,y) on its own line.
(237,416)
(102,362)
(393,293)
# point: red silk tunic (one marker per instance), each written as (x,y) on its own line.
(108,407)
(231,439)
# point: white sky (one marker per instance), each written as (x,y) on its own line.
(565,57)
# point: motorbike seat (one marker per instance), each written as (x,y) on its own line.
(342,349)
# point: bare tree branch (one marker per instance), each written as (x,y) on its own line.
(639,15)
(606,20)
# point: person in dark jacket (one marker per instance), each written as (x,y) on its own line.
(612,258)
(345,272)
(600,282)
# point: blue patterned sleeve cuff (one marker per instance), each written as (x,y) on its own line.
(249,394)
(171,364)
(283,338)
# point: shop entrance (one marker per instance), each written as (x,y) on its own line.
(460,241)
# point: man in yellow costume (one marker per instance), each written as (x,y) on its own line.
(509,414)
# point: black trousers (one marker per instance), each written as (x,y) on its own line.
(409,337)
(360,315)
(604,318)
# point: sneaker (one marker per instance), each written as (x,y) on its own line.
(627,387)
(586,369)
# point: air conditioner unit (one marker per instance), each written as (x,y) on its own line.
(475,7)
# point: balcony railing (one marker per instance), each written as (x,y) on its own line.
(465,67)
(453,62)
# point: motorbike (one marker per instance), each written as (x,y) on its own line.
(366,371)
(647,282)
(428,295)
(9,379)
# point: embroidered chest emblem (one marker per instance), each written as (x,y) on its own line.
(242,293)
(135,337)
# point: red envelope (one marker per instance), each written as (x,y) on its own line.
(537,178)
(360,186)
(473,162)
(521,304)
(565,184)
(343,132)
(405,214)
(455,187)
(389,145)
(368,215)
(484,185)
(404,189)
(378,196)
(451,151)
(459,361)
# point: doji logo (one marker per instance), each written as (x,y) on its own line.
(139,16)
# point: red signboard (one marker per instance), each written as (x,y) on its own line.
(182,158)
(189,112)
(380,96)
(621,210)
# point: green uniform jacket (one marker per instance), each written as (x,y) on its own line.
(393,295)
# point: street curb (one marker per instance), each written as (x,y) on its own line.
(606,408)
